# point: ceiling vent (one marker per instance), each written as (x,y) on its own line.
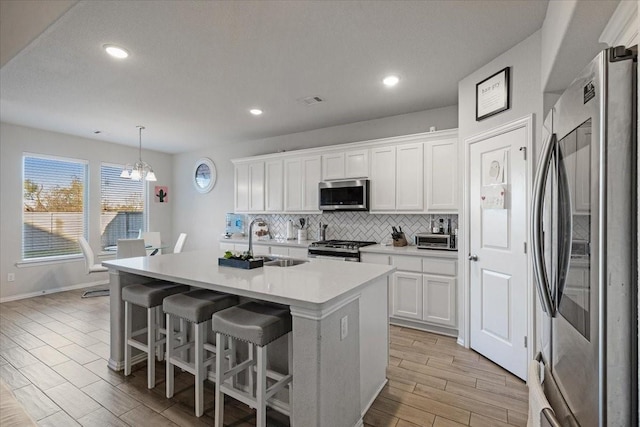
(311,100)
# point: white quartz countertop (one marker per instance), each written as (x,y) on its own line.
(315,284)
(408,250)
(273,242)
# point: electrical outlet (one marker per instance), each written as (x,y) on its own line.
(344,327)
(11,277)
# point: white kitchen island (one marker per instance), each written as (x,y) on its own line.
(335,377)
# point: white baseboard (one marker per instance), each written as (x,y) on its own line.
(54,290)
(373,399)
(422,326)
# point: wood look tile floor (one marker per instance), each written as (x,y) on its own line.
(54,350)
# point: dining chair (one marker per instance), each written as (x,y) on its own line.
(91,267)
(180,243)
(152,238)
(129,248)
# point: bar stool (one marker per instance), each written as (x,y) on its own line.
(149,296)
(258,324)
(197,307)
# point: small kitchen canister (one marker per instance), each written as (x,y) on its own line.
(302,235)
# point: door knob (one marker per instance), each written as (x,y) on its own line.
(473,257)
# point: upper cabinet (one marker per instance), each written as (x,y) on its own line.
(383,178)
(408,174)
(274,185)
(441,175)
(249,187)
(345,164)
(397,178)
(301,178)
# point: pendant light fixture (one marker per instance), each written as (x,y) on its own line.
(141,169)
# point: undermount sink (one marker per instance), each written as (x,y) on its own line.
(282,262)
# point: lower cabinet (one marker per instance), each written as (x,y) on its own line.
(422,290)
(406,295)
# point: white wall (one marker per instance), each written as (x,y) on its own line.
(202,215)
(526,98)
(14,140)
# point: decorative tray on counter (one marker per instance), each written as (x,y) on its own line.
(245,264)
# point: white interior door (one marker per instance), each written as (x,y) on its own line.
(497,260)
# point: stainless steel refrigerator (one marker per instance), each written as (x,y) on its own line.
(584,225)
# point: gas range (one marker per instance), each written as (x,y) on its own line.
(347,250)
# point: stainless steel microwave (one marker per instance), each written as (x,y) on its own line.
(446,242)
(352,195)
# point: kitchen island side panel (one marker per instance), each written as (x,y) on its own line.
(326,382)
(374,340)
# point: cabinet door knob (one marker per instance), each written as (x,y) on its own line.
(473,257)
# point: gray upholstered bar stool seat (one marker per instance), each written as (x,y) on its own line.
(258,324)
(150,296)
(197,307)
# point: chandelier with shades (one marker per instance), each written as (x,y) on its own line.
(141,169)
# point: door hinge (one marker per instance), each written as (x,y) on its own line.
(525,342)
(524,152)
(525,247)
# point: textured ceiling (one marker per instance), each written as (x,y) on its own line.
(196,67)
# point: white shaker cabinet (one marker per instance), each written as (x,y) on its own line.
(406,295)
(441,175)
(345,165)
(439,304)
(249,187)
(333,166)
(383,178)
(274,185)
(409,177)
(397,180)
(422,291)
(301,178)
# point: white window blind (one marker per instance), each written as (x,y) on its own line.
(54,207)
(121,207)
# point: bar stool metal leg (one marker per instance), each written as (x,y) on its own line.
(261,387)
(219,396)
(169,368)
(151,343)
(127,337)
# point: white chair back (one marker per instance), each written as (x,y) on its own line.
(89,257)
(129,248)
(180,243)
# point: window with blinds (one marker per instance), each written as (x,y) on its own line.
(54,206)
(122,206)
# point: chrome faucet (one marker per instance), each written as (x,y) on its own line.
(261,223)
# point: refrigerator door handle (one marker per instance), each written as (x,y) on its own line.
(539,267)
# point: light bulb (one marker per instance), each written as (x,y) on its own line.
(115,51)
(391,81)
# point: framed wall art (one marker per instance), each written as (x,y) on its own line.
(493,95)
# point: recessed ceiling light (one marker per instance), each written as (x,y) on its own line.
(391,81)
(255,111)
(115,51)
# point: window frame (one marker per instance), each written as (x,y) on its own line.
(85,208)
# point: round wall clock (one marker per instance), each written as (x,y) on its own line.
(204,175)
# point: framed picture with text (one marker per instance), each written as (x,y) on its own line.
(492,95)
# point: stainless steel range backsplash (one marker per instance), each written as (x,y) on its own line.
(357,225)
